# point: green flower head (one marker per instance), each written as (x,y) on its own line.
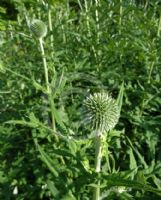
(38,28)
(101,112)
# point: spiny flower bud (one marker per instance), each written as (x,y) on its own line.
(101,112)
(38,28)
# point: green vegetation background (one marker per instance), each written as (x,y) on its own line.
(121,46)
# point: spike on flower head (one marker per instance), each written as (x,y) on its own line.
(101,112)
(38,28)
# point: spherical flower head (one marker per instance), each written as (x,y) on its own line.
(101,112)
(38,28)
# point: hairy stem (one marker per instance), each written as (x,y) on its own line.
(121,12)
(50,26)
(45,64)
(97,19)
(159,27)
(51,101)
(87,17)
(98,157)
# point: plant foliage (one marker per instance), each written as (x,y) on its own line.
(91,46)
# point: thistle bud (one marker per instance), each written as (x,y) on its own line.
(101,112)
(38,28)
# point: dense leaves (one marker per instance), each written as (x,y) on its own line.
(91,46)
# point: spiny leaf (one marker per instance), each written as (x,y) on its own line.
(110,181)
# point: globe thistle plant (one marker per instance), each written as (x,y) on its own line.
(39,30)
(101,112)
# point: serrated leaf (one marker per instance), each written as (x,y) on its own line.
(133,164)
(47,160)
(22,122)
(114,180)
(59,84)
(72,146)
(138,154)
(57,117)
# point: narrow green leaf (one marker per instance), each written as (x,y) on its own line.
(22,122)
(138,154)
(140,177)
(58,118)
(54,191)
(38,86)
(62,152)
(120,97)
(48,161)
(133,164)
(128,173)
(114,180)
(157,182)
(59,84)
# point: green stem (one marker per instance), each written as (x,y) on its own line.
(98,154)
(89,30)
(97,18)
(150,71)
(87,17)
(146,4)
(121,12)
(159,27)
(98,157)
(80,5)
(45,65)
(17,74)
(107,157)
(50,26)
(51,102)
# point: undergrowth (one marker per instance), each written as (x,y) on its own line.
(90,47)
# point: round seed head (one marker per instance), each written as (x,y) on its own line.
(101,112)
(38,28)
